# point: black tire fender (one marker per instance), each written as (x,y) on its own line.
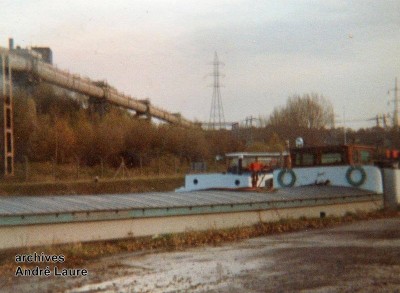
(349,173)
(282,173)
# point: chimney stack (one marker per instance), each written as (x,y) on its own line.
(11,43)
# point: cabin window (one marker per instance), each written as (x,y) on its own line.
(331,158)
(305,159)
(365,156)
(362,157)
(308,159)
(298,160)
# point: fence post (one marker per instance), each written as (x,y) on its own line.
(158,163)
(141,165)
(175,166)
(26,168)
(77,167)
(54,169)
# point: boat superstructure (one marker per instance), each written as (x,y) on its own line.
(339,165)
(238,173)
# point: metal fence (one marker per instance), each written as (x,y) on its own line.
(77,170)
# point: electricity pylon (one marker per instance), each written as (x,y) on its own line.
(217,119)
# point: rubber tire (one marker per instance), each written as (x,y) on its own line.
(282,173)
(351,170)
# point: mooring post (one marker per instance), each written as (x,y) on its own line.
(391,188)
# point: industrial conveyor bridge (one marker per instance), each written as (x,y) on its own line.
(19,60)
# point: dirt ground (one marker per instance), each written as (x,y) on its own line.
(359,257)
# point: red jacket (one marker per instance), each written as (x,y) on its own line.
(256,166)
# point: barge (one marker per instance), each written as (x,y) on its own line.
(315,182)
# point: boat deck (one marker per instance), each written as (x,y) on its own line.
(25,210)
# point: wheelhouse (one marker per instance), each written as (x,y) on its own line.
(240,162)
(332,155)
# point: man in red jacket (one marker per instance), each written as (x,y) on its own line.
(255,167)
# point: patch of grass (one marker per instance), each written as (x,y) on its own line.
(80,253)
(103,186)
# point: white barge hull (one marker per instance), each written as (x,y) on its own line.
(363,177)
(221,181)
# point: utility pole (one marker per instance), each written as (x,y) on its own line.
(384,121)
(377,120)
(344,126)
(249,127)
(217,119)
(396,105)
(7,116)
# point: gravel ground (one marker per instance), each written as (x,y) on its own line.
(359,257)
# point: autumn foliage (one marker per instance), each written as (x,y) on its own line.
(54,125)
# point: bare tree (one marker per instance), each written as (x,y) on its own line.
(307,116)
(310,111)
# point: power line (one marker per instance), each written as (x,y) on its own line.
(378,119)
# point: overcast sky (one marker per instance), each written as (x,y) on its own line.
(347,51)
